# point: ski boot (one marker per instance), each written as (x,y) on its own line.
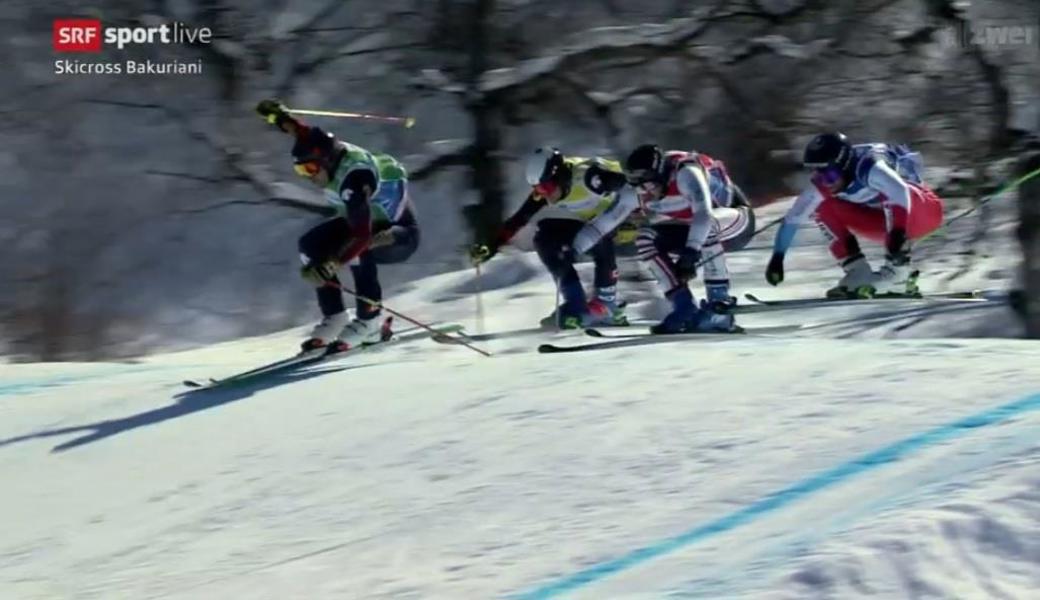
(895,278)
(604,309)
(684,315)
(362,332)
(858,281)
(718,297)
(325,332)
(573,312)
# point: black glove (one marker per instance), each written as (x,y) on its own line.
(481,253)
(686,265)
(567,255)
(897,247)
(273,111)
(775,270)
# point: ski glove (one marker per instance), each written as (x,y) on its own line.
(775,270)
(481,253)
(273,111)
(320,273)
(686,265)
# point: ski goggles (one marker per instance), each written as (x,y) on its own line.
(545,189)
(829,175)
(308,168)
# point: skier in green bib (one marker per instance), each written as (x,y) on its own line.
(374,224)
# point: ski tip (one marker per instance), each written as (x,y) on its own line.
(192,384)
(548,349)
(596,333)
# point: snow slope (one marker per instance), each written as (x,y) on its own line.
(872,455)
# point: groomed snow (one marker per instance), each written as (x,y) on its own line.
(872,455)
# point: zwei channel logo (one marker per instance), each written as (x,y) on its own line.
(88,35)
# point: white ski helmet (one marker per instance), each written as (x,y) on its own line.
(543,165)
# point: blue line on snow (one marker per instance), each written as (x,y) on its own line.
(779,499)
(28,386)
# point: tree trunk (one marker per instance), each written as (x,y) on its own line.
(1029,237)
(486,217)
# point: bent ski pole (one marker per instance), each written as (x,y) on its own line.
(373,303)
(408,121)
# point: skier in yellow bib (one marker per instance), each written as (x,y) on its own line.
(583,188)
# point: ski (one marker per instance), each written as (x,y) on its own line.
(305,359)
(774,330)
(760,305)
(499,335)
(648,339)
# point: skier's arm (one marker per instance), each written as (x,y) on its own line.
(806,204)
(606,221)
(518,220)
(358,187)
(896,205)
(693,185)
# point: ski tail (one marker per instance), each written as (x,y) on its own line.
(305,359)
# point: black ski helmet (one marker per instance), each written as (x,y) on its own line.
(315,144)
(828,150)
(644,164)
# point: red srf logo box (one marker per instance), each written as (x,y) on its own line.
(77,35)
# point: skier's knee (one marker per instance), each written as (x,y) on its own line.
(646,243)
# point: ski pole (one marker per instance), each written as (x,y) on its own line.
(556,308)
(375,304)
(480,301)
(408,121)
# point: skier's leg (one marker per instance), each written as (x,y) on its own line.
(842,221)
(897,276)
(604,306)
(716,273)
(838,221)
(321,243)
(366,283)
(654,246)
(926,211)
(736,226)
(550,239)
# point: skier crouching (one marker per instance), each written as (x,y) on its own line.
(873,191)
(374,224)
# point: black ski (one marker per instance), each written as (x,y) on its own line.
(774,330)
(305,359)
(499,335)
(647,339)
(760,305)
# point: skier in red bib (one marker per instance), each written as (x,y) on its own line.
(695,214)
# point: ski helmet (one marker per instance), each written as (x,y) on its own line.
(314,148)
(828,151)
(546,171)
(645,164)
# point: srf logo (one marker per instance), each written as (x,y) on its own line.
(77,35)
